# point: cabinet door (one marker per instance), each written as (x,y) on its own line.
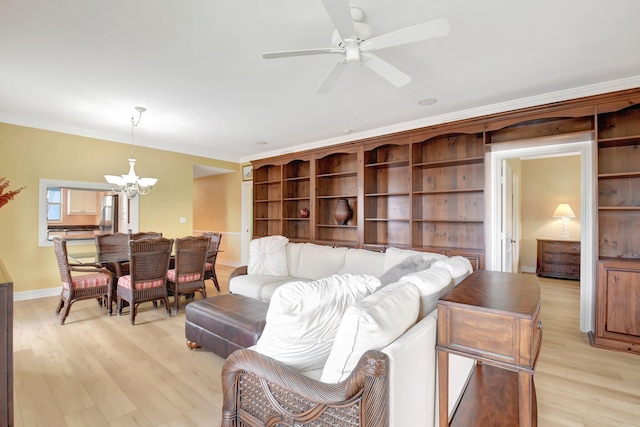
(618,305)
(80,202)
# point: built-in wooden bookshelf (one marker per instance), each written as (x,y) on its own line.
(424,189)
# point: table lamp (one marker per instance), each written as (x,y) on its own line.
(564,212)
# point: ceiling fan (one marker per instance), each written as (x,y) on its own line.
(351,39)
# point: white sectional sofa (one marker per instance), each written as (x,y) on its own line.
(387,307)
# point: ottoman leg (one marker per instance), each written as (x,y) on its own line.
(192,345)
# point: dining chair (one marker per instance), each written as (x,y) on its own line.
(145,235)
(147,280)
(188,275)
(113,244)
(89,282)
(210,266)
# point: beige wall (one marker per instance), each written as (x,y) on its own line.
(545,183)
(216,199)
(28,155)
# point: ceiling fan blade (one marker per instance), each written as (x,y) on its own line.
(386,70)
(340,15)
(330,79)
(302,52)
(427,30)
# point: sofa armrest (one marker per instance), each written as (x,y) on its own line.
(258,390)
(239,271)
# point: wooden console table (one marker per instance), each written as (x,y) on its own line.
(494,318)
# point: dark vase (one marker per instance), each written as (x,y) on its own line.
(342,212)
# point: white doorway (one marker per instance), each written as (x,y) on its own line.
(584,147)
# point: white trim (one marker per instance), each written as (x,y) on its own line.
(586,150)
(224,233)
(40,293)
(42,206)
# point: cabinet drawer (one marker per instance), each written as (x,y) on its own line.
(560,269)
(561,248)
(552,258)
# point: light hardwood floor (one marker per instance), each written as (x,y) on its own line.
(101,371)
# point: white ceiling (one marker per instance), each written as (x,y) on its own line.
(80,66)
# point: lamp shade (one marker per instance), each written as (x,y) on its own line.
(564,211)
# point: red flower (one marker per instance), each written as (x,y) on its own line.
(9,195)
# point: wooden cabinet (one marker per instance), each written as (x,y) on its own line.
(6,348)
(267,200)
(494,318)
(296,200)
(618,306)
(617,322)
(448,192)
(558,258)
(422,192)
(81,202)
(336,178)
(387,196)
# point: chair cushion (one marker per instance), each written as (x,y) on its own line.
(393,256)
(208,266)
(252,285)
(408,265)
(303,318)
(362,261)
(432,284)
(371,324)
(459,267)
(171,275)
(125,282)
(91,280)
(319,261)
(268,256)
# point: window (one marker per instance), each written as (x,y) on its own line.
(54,204)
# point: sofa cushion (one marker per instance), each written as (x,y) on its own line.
(393,256)
(251,285)
(459,267)
(371,324)
(318,261)
(268,256)
(408,265)
(362,261)
(303,318)
(432,284)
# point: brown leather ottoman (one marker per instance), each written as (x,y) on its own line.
(225,323)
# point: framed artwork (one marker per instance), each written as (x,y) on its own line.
(247,173)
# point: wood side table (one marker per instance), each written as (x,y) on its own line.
(494,318)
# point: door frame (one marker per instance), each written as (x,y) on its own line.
(584,146)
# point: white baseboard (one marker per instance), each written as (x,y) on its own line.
(40,293)
(526,269)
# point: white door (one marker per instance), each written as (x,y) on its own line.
(247,220)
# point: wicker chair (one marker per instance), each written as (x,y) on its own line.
(145,235)
(188,275)
(260,391)
(106,245)
(95,283)
(148,279)
(210,267)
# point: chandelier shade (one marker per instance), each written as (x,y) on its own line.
(131,184)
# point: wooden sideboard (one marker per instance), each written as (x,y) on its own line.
(6,348)
(558,258)
(494,318)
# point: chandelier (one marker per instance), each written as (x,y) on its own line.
(131,184)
